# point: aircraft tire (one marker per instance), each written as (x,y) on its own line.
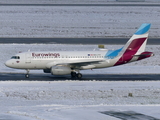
(79,75)
(27,75)
(73,74)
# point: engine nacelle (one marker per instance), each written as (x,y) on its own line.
(60,70)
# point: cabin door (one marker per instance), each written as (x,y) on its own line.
(28,58)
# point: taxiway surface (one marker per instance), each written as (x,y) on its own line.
(86,77)
(151,41)
(92,4)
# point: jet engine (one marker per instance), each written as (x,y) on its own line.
(60,70)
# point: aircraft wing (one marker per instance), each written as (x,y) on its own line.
(79,64)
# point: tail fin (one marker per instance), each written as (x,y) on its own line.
(137,42)
(135,46)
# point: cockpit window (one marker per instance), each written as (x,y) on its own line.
(15,57)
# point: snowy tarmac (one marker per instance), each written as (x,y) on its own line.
(80,100)
(76,21)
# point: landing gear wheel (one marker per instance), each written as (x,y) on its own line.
(79,75)
(73,74)
(27,75)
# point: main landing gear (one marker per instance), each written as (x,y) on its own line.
(78,75)
(27,74)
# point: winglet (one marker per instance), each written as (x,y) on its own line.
(143,29)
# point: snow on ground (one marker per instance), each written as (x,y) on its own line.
(150,65)
(66,1)
(77,21)
(80,100)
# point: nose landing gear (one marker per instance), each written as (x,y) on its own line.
(27,74)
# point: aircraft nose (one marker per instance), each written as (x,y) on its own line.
(8,63)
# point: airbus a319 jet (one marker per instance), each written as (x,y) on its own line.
(71,62)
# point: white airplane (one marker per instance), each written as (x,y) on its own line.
(71,62)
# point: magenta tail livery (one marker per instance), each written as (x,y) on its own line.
(135,47)
(71,62)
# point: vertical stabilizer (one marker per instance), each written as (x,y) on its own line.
(137,42)
(135,46)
